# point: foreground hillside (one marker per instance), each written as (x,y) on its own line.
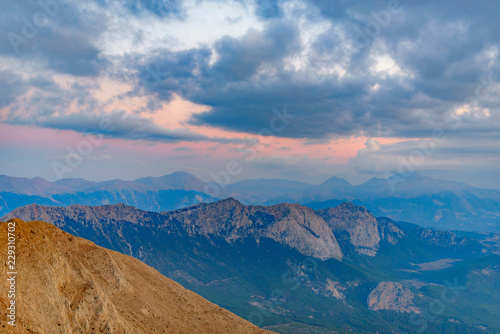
(290,269)
(69,285)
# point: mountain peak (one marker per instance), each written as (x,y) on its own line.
(230,200)
(336,181)
(223,204)
(27,186)
(181,173)
(352,207)
(176,180)
(358,222)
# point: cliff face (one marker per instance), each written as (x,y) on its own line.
(292,225)
(358,223)
(391,296)
(389,231)
(67,284)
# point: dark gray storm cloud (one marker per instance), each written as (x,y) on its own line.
(268,9)
(162,8)
(378,68)
(76,109)
(119,125)
(443,53)
(11,86)
(53,33)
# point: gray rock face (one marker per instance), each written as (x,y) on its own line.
(331,289)
(359,223)
(389,231)
(289,224)
(392,296)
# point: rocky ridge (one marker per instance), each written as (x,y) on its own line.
(357,224)
(292,225)
(324,234)
(392,296)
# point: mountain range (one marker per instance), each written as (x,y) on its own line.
(289,269)
(418,199)
(67,284)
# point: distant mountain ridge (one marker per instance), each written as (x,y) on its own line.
(423,200)
(156,194)
(39,186)
(176,180)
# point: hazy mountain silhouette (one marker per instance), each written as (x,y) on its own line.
(418,199)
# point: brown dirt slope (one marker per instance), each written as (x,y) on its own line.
(67,284)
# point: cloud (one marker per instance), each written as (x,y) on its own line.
(120,125)
(161,8)
(57,35)
(268,9)
(419,65)
(436,154)
(75,108)
(401,84)
(11,86)
(376,159)
(183,149)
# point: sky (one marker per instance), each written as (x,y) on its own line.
(224,89)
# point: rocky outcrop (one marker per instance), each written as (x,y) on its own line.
(334,289)
(292,225)
(388,231)
(69,285)
(96,216)
(359,224)
(391,296)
